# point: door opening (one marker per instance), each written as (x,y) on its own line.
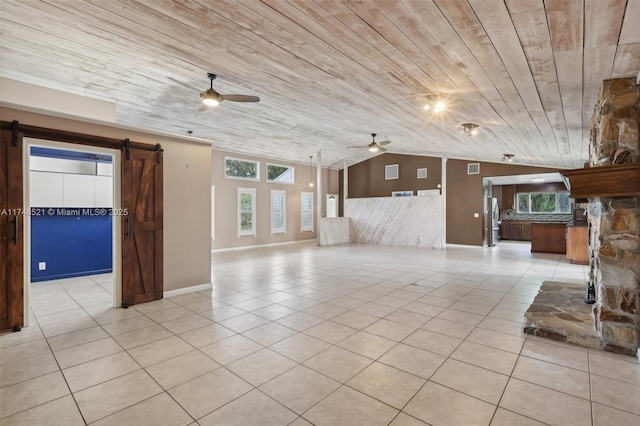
(72,235)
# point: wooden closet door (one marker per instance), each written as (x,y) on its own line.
(11,232)
(142,226)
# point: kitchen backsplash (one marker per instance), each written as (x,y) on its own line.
(508,214)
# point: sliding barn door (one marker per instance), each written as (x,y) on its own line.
(142,226)
(11,231)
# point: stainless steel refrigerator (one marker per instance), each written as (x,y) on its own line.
(494,219)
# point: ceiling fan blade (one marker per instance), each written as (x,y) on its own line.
(381,149)
(203,107)
(239,98)
(383,143)
(363,146)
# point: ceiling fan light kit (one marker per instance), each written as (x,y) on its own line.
(211,98)
(470,129)
(374,146)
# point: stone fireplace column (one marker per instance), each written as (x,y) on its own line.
(614,223)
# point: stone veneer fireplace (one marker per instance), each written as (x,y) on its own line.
(614,268)
(611,185)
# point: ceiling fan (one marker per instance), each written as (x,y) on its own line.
(374,146)
(211,98)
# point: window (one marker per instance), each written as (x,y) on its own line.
(473,168)
(523,203)
(246,211)
(278,212)
(280,174)
(544,202)
(307,211)
(241,169)
(422,173)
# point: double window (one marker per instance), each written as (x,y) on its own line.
(543,202)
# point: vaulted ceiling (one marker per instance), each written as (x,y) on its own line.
(331,72)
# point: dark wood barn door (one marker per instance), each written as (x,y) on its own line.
(11,231)
(142,226)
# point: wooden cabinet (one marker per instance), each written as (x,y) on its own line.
(578,244)
(504,230)
(508,197)
(519,230)
(548,237)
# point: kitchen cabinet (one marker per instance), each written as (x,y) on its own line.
(520,230)
(504,230)
(548,237)
(578,244)
(508,197)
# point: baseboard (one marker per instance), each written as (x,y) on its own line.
(263,245)
(71,275)
(179,291)
(462,246)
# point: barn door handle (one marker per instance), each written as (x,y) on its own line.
(16,226)
(129,227)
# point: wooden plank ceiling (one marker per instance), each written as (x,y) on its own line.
(330,72)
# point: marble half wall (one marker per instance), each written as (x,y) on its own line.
(397,221)
(333,230)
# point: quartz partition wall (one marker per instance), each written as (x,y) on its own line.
(397,221)
(333,230)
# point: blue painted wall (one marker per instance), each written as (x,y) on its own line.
(73,242)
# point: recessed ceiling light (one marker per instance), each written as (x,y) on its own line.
(538,179)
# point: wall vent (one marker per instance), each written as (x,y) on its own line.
(422,173)
(473,168)
(392,171)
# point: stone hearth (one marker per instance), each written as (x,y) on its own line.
(558,312)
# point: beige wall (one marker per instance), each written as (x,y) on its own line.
(226,210)
(187,195)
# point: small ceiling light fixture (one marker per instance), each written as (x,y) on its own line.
(311,171)
(508,158)
(434,104)
(470,129)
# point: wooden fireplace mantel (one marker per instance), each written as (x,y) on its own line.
(620,180)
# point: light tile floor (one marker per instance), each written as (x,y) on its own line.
(303,335)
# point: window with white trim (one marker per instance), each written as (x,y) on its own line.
(307,211)
(237,168)
(280,174)
(278,211)
(246,211)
